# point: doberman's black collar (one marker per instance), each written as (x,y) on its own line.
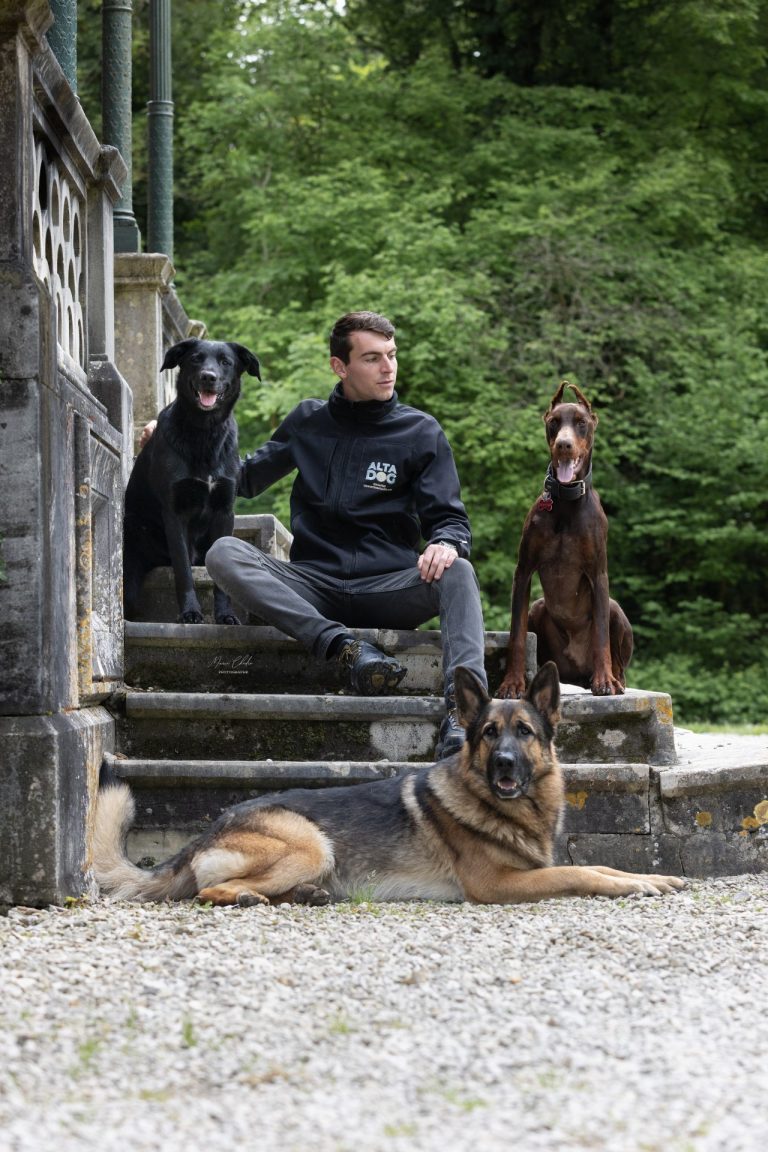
(572,491)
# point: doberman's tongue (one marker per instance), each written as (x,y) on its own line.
(208,399)
(566,470)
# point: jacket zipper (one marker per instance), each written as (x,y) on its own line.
(341,470)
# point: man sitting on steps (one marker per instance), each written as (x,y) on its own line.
(374,478)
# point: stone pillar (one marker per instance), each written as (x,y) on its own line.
(60,471)
(117,111)
(62,37)
(141,281)
(160,124)
(148,319)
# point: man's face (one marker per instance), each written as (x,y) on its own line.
(372,369)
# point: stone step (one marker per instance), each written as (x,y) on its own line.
(177,798)
(218,658)
(636,727)
(706,815)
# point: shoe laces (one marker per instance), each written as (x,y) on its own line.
(452,720)
(350,652)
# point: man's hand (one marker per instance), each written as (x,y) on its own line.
(435,559)
(146,432)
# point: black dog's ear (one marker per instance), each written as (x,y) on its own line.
(471,696)
(249,363)
(544,693)
(176,354)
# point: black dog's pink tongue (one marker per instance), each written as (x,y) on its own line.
(208,399)
(566,470)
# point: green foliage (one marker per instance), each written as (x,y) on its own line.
(530,191)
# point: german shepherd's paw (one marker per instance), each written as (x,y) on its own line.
(231,894)
(666,884)
(251,899)
(632,885)
(310,894)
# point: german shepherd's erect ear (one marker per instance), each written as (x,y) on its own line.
(544,695)
(471,696)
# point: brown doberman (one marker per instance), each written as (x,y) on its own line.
(565,540)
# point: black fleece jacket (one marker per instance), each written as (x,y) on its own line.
(374,479)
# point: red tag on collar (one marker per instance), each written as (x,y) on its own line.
(544,503)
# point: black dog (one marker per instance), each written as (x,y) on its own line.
(181,493)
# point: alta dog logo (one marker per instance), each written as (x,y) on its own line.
(380,475)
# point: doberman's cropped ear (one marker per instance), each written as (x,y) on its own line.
(558,399)
(471,696)
(558,396)
(176,354)
(248,362)
(582,399)
(544,694)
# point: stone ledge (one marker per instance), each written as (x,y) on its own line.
(253,658)
(608,818)
(261,775)
(607,798)
(718,786)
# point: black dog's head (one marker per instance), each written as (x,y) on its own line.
(209,373)
(509,745)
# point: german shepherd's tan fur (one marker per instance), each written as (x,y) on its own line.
(478,826)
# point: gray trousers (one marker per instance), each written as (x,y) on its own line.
(315,608)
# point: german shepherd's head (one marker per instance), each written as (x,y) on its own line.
(209,374)
(509,749)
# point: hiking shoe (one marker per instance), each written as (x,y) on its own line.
(452,736)
(371,673)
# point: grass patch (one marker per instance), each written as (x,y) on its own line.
(730,729)
(188,1036)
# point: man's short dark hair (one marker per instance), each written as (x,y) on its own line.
(357,322)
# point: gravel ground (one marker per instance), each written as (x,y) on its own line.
(638,1024)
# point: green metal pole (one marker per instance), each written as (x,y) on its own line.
(116,110)
(160,124)
(62,37)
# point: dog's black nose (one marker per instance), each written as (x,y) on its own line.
(504,762)
(208,377)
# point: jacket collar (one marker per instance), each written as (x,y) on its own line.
(359,411)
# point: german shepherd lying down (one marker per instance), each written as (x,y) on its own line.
(477,826)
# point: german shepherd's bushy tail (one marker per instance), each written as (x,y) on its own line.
(114,872)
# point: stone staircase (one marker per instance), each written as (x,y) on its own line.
(212,715)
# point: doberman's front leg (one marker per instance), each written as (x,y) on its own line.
(512,686)
(604,682)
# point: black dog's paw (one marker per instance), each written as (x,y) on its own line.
(228,619)
(191,618)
